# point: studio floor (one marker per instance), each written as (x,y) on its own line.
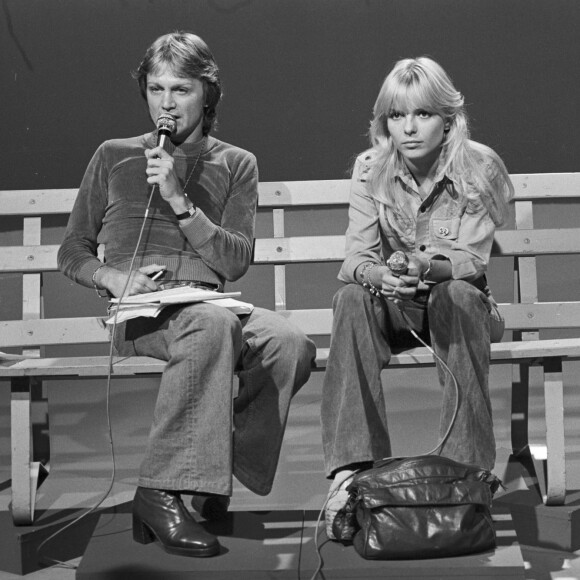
(81,466)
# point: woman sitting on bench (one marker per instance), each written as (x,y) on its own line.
(426,190)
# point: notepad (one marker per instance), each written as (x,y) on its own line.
(151,304)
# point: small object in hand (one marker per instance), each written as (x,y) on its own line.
(398,263)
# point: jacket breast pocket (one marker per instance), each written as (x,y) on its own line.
(445,228)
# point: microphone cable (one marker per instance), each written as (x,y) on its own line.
(165,123)
(440,443)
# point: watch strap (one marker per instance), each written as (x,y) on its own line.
(186,214)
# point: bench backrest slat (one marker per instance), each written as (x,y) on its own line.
(49,331)
(546,185)
(37,201)
(28,258)
(289,193)
(57,331)
(304,249)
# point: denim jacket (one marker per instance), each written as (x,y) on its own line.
(444,224)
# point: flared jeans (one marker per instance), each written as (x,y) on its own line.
(201,435)
(457,319)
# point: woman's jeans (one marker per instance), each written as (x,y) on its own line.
(365,330)
(201,435)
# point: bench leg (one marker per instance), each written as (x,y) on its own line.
(549,461)
(26,472)
(529,456)
(520,410)
(555,440)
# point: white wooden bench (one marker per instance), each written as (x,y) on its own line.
(526,316)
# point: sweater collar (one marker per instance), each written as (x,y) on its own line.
(185,149)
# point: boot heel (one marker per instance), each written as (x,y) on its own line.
(141,533)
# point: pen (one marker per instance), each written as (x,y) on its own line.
(157,275)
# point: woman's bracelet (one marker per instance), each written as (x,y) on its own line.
(366,279)
(97,289)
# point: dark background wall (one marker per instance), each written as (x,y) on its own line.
(300,77)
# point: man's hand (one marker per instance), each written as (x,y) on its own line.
(140,283)
(161,170)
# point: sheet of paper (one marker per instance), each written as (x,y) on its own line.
(128,311)
(175,296)
(236,306)
(150,309)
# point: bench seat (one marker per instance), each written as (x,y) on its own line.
(534,352)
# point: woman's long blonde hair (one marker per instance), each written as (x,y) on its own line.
(422,84)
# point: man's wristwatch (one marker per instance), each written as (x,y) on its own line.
(186,214)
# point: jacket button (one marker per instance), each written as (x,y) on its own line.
(423,248)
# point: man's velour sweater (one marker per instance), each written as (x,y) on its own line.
(212,246)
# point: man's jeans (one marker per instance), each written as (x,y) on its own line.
(200,434)
(365,329)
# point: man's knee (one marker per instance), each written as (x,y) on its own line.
(279,341)
(290,339)
(214,322)
(301,346)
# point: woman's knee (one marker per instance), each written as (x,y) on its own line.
(457,306)
(350,297)
(456,293)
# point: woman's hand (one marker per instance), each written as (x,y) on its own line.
(140,282)
(409,282)
(403,287)
(390,286)
(417,267)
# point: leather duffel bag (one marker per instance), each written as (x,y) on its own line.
(426,506)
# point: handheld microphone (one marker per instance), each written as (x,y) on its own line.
(398,263)
(166,126)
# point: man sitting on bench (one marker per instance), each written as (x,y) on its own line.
(198,231)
